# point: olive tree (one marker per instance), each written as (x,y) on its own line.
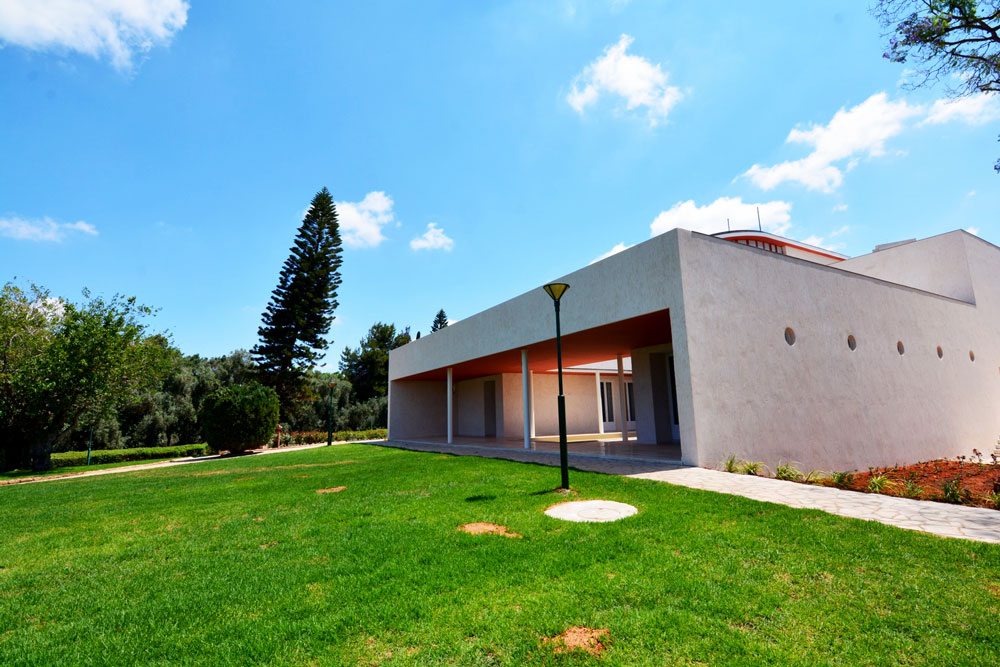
(61,362)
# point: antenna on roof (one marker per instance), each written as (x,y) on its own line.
(759,228)
(728,226)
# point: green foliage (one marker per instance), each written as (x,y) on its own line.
(993,498)
(879,484)
(788,472)
(367,367)
(440,321)
(956,41)
(753,468)
(911,489)
(101,456)
(63,363)
(952,491)
(814,477)
(841,479)
(299,315)
(312,437)
(731,464)
(240,417)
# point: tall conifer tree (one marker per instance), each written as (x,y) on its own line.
(301,308)
(440,321)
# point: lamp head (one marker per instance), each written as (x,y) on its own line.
(556,290)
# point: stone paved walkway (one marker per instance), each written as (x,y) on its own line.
(970,523)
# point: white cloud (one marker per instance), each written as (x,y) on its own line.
(851,134)
(972,193)
(117,29)
(711,218)
(42,229)
(361,222)
(837,232)
(972,109)
(840,208)
(614,251)
(973,230)
(433,239)
(634,78)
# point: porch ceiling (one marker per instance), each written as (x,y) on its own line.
(582,347)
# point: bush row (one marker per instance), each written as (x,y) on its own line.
(98,456)
(311,437)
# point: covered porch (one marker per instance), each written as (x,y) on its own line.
(617,377)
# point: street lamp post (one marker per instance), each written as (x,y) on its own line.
(556,291)
(329,419)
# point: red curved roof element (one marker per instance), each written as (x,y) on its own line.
(748,235)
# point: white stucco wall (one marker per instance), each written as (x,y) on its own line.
(817,402)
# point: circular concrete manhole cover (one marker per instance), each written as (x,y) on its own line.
(598,511)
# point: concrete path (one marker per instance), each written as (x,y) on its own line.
(160,464)
(970,523)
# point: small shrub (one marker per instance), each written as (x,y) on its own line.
(731,464)
(788,472)
(993,498)
(752,468)
(841,479)
(952,491)
(879,484)
(814,477)
(239,417)
(911,489)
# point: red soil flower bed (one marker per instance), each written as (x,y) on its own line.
(978,480)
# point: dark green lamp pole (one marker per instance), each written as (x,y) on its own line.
(556,291)
(329,419)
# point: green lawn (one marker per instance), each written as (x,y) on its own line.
(240,561)
(18,474)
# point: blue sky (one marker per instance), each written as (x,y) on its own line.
(168,149)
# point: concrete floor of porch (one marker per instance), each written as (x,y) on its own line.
(608,447)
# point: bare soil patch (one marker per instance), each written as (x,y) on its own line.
(480,528)
(210,473)
(310,465)
(336,489)
(580,638)
(926,481)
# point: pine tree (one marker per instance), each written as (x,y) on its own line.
(301,308)
(440,321)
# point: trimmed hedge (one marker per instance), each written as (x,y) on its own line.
(311,437)
(98,456)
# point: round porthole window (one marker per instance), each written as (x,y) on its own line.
(852,343)
(940,353)
(790,336)
(899,347)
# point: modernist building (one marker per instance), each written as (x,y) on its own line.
(740,343)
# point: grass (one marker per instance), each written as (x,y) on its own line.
(18,474)
(241,561)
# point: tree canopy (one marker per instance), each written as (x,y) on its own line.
(440,321)
(61,363)
(367,367)
(299,315)
(954,40)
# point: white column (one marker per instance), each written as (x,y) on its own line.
(622,417)
(450,407)
(531,394)
(600,413)
(526,395)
